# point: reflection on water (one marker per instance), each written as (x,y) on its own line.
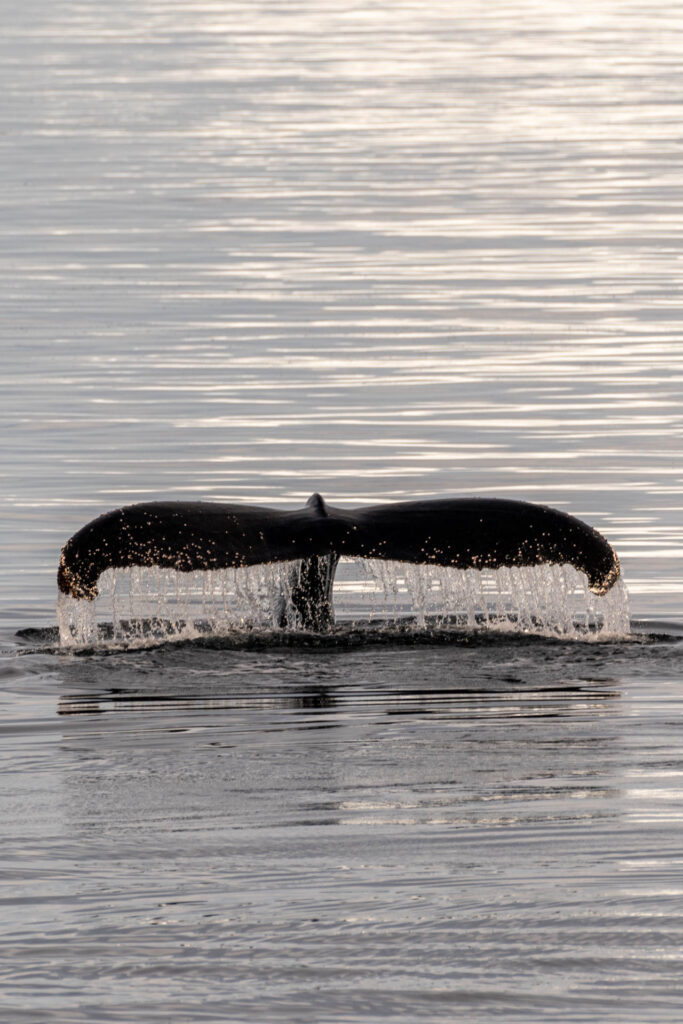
(345,833)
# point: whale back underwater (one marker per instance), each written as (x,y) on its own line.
(463,533)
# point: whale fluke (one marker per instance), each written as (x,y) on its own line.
(465,533)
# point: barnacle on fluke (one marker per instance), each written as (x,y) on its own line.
(465,533)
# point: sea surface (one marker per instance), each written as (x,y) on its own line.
(378,250)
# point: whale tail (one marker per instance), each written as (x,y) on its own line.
(463,533)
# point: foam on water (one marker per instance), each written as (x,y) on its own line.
(148,605)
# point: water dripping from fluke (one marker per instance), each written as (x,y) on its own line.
(140,607)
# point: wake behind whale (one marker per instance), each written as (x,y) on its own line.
(267,568)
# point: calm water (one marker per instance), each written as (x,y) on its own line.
(378,250)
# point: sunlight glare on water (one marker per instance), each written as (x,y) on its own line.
(382,251)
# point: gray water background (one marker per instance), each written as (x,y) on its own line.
(377,250)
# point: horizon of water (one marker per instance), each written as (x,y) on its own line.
(380,251)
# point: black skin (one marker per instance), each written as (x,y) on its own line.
(465,533)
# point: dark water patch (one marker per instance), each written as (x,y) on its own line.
(357,670)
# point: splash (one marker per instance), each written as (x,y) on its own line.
(141,606)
